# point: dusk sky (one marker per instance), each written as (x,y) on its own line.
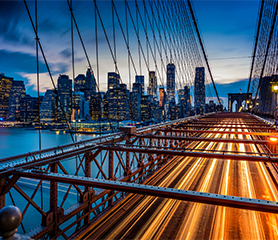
(227,28)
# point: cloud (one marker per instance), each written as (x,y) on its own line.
(66,53)
(18,61)
(45,82)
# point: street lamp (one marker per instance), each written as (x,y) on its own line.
(273,139)
(275,90)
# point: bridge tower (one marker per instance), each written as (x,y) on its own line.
(239,98)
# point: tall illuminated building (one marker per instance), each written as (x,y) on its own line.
(187,101)
(85,84)
(181,104)
(17,93)
(199,90)
(113,80)
(29,109)
(162,97)
(80,108)
(171,81)
(152,89)
(135,98)
(145,108)
(123,103)
(48,108)
(90,85)
(140,79)
(95,107)
(5,90)
(79,83)
(113,96)
(64,86)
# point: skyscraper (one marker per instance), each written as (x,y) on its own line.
(181,105)
(29,109)
(152,89)
(140,79)
(85,84)
(5,89)
(17,93)
(136,96)
(199,90)
(171,81)
(113,80)
(145,109)
(80,108)
(123,103)
(95,107)
(162,97)
(187,103)
(90,85)
(48,108)
(113,95)
(65,94)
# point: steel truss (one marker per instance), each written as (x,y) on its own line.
(124,157)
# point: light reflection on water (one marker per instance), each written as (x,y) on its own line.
(14,141)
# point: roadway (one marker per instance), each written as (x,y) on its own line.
(147,217)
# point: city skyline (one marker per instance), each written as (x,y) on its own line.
(225,45)
(78,100)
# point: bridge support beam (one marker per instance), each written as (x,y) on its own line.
(52,215)
(200,139)
(190,131)
(200,197)
(183,152)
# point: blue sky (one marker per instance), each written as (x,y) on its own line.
(227,28)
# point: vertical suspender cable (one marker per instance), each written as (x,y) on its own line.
(255,49)
(139,52)
(38,74)
(38,88)
(266,53)
(97,61)
(73,71)
(128,49)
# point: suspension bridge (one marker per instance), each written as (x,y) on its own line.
(200,175)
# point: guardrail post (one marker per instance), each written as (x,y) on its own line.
(111,172)
(54,200)
(2,196)
(128,159)
(87,196)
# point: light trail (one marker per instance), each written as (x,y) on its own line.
(156,218)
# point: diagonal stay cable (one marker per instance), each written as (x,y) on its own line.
(49,72)
(86,55)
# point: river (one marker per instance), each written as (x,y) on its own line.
(14,141)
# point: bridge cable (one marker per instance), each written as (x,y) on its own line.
(86,55)
(203,50)
(255,50)
(50,75)
(266,55)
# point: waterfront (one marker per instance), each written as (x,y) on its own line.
(16,141)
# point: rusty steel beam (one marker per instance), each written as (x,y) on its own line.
(185,195)
(213,126)
(230,123)
(221,132)
(226,140)
(220,155)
